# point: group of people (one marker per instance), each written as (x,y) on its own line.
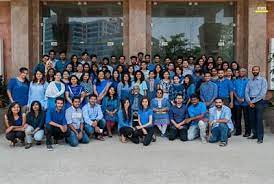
(83,98)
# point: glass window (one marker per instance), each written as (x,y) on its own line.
(193,28)
(87,27)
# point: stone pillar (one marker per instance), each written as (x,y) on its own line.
(256,38)
(20,35)
(137,26)
(241,30)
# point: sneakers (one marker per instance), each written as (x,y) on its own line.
(28,145)
(49,147)
(222,144)
(204,140)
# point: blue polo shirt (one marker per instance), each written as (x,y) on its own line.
(196,110)
(56,117)
(225,86)
(144,115)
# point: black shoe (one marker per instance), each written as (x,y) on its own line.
(246,135)
(237,134)
(49,147)
(154,138)
(260,141)
(28,145)
(38,143)
(252,137)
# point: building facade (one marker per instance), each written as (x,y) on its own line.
(234,29)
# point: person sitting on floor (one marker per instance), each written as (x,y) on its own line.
(220,123)
(93,118)
(75,121)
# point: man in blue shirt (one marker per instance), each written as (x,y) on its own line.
(208,91)
(177,115)
(56,124)
(75,121)
(197,119)
(62,63)
(241,106)
(225,89)
(42,65)
(93,117)
(220,123)
(255,92)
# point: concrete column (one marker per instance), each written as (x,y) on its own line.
(137,26)
(256,38)
(241,33)
(20,35)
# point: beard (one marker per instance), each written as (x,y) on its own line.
(255,74)
(218,106)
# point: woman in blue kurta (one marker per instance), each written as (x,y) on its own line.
(110,107)
(125,127)
(145,127)
(124,87)
(165,84)
(101,86)
(160,107)
(73,89)
(18,88)
(189,87)
(115,79)
(152,85)
(86,82)
(139,80)
(55,89)
(176,88)
(15,121)
(37,89)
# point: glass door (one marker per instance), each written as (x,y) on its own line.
(193,29)
(76,27)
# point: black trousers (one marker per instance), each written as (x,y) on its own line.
(56,133)
(148,137)
(173,133)
(239,111)
(12,135)
(129,133)
(256,119)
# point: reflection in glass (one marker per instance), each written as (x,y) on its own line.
(95,28)
(183,29)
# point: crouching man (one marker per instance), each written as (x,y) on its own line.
(75,121)
(56,124)
(93,117)
(220,123)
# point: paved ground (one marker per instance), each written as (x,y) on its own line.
(111,162)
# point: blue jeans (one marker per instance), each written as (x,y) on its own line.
(256,119)
(219,133)
(90,129)
(73,139)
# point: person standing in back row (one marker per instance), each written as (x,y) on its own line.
(254,94)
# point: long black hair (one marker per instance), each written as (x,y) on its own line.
(108,93)
(129,79)
(10,116)
(31,107)
(190,81)
(125,117)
